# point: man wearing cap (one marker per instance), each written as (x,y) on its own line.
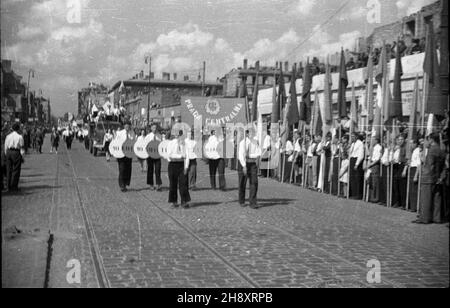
(248,155)
(14,151)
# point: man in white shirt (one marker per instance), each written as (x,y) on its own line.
(216,163)
(125,163)
(414,167)
(356,167)
(374,169)
(154,165)
(192,156)
(248,154)
(178,170)
(14,151)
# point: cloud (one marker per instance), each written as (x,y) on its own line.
(346,40)
(26,33)
(303,7)
(408,7)
(356,12)
(188,37)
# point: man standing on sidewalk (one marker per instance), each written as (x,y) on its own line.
(192,156)
(216,162)
(248,155)
(14,150)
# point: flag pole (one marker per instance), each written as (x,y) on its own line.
(339,158)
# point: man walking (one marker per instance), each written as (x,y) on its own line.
(125,163)
(192,156)
(248,154)
(216,163)
(154,164)
(14,150)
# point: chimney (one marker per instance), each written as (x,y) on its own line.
(199,77)
(245,64)
(286,66)
(257,65)
(141,75)
(276,65)
(174,76)
(186,78)
(152,75)
(165,76)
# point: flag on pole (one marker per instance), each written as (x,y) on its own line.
(369,89)
(435,102)
(255,101)
(306,94)
(343,83)
(354,110)
(275,117)
(316,126)
(328,110)
(293,116)
(281,91)
(394,109)
(413,116)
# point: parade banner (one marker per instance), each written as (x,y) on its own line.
(213,111)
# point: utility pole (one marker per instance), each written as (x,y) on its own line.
(203,79)
(149,59)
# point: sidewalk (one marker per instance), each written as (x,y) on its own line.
(26,222)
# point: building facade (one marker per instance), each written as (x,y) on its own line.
(163,105)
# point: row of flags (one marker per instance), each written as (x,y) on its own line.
(386,113)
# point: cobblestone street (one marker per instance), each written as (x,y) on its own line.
(297,238)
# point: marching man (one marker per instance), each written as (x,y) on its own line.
(249,152)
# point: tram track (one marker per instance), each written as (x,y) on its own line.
(100,270)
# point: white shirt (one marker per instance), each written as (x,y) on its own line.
(357,151)
(213,142)
(177,151)
(415,158)
(396,157)
(289,147)
(385,159)
(297,146)
(376,154)
(140,138)
(190,145)
(122,134)
(311,149)
(248,149)
(152,136)
(108,137)
(14,141)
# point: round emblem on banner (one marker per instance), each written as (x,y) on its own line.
(162,149)
(153,149)
(128,148)
(140,149)
(115,148)
(212,107)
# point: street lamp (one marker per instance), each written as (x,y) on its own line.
(30,74)
(148,60)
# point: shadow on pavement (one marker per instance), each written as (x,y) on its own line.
(199,204)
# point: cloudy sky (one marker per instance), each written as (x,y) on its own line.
(108,40)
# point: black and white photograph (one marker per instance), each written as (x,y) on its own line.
(222,150)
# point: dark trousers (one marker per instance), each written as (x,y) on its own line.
(252,174)
(413,189)
(356,180)
(125,165)
(217,165)
(69,143)
(192,173)
(154,165)
(398,186)
(13,167)
(384,176)
(178,181)
(335,176)
(86,143)
(287,169)
(326,182)
(430,203)
(374,184)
